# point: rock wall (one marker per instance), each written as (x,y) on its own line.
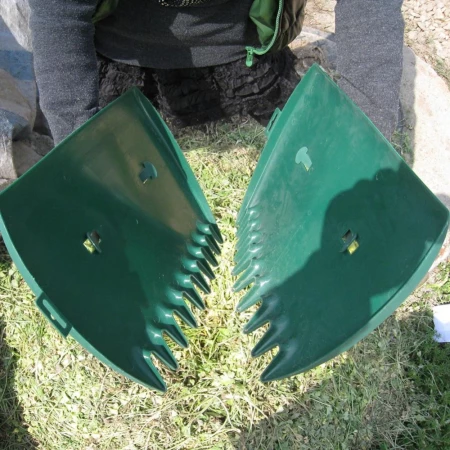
(20,146)
(16,15)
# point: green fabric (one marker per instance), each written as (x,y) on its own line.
(263,14)
(104,9)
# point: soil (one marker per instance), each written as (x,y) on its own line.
(427,28)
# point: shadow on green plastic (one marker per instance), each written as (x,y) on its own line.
(42,249)
(334,309)
(329,271)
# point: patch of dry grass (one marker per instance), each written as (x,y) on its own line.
(387,392)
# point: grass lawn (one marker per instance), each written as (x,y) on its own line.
(388,392)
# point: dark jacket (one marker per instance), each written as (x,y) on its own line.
(369,39)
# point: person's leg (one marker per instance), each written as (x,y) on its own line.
(195,96)
(188,97)
(116,78)
(257,91)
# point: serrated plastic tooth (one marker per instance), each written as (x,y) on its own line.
(185,284)
(211,229)
(175,333)
(242,229)
(254,238)
(202,253)
(203,227)
(175,297)
(185,314)
(177,304)
(183,280)
(195,267)
(249,228)
(254,252)
(195,251)
(246,212)
(242,265)
(209,256)
(190,265)
(213,245)
(215,231)
(210,236)
(253,217)
(242,251)
(165,355)
(194,297)
(263,315)
(205,240)
(276,369)
(206,269)
(199,239)
(154,377)
(201,282)
(249,216)
(267,342)
(250,298)
(241,214)
(247,277)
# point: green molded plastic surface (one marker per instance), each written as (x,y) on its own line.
(335,230)
(111,231)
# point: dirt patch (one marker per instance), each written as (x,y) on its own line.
(320,14)
(427,28)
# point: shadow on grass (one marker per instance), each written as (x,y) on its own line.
(13,430)
(400,394)
(330,303)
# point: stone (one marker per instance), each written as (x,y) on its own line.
(13,99)
(10,126)
(425,100)
(413,34)
(41,144)
(4,183)
(17,61)
(16,15)
(314,46)
(25,155)
(20,148)
(21,155)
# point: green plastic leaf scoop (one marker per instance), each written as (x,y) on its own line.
(112,232)
(334,233)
